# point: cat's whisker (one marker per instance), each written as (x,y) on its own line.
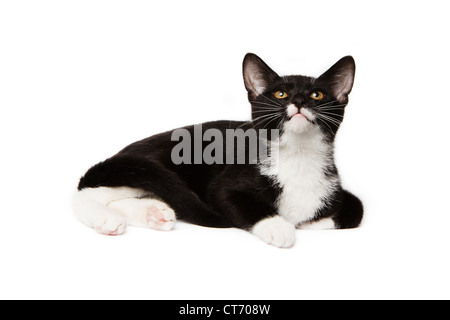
(323,121)
(270,122)
(332,114)
(269,118)
(259,111)
(326,104)
(273,119)
(330,106)
(267,104)
(271,109)
(326,116)
(271,100)
(330,109)
(267,108)
(331,120)
(280,121)
(245,123)
(261,119)
(266,116)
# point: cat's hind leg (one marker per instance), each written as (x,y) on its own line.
(322,224)
(145,212)
(110,210)
(350,213)
(90,207)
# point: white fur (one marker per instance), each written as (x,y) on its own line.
(149,213)
(110,210)
(275,231)
(297,163)
(258,85)
(291,110)
(322,224)
(308,114)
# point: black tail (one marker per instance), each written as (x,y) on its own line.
(151,177)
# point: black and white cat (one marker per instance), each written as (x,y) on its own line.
(297,185)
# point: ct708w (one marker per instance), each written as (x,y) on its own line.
(246,309)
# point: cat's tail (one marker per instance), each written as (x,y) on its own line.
(140,174)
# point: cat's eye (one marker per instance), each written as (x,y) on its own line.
(317,95)
(280,94)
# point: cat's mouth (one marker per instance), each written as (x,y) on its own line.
(299,116)
(302,116)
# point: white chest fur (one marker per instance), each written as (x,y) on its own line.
(298,163)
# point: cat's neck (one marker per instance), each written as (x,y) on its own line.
(310,150)
(311,142)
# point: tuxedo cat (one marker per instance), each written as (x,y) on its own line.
(296,185)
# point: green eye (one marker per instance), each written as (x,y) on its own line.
(280,94)
(317,95)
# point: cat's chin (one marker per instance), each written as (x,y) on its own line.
(297,124)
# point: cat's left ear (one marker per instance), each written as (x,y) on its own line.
(257,74)
(340,77)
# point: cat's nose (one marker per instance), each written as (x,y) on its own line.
(298,100)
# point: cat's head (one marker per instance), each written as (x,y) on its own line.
(298,104)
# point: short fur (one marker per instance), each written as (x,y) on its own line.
(298,185)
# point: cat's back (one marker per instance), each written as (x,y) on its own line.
(160,143)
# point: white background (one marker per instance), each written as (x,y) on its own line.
(79,80)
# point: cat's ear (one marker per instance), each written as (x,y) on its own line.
(257,74)
(340,77)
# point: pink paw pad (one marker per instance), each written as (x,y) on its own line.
(111,227)
(108,232)
(154,215)
(160,218)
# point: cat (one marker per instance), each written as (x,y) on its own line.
(296,185)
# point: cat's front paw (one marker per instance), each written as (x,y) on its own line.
(275,231)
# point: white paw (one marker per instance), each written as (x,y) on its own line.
(159,216)
(275,231)
(112,225)
(147,213)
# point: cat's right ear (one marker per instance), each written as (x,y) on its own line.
(257,74)
(340,77)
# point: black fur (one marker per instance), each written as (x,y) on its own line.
(225,195)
